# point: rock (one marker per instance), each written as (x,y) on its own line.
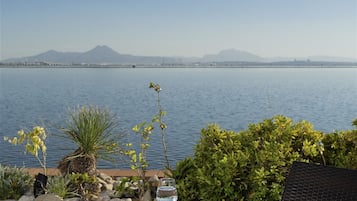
(109,187)
(27,198)
(94,197)
(154,181)
(104,185)
(123,199)
(48,197)
(107,195)
(106,182)
(147,196)
(116,184)
(72,199)
(106,178)
(110,193)
(100,186)
(103,198)
(29,192)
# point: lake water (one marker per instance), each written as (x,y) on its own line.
(193,98)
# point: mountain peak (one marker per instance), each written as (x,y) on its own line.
(51,51)
(233,55)
(103,48)
(231,50)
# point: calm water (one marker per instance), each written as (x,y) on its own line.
(192,98)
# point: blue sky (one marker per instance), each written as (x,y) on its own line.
(288,28)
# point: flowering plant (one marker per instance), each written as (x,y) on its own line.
(35,142)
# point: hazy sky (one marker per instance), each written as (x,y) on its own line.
(289,28)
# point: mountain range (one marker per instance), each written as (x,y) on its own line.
(106,55)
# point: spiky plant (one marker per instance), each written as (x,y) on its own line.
(91,129)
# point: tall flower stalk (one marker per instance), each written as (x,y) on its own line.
(138,159)
(159,118)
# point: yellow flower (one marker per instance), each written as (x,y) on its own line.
(13,141)
(22,136)
(36,140)
(136,128)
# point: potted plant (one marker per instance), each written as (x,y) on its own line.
(34,143)
(91,129)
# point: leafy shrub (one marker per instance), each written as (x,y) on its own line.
(60,185)
(250,165)
(184,174)
(341,148)
(14,182)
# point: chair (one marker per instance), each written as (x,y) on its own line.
(311,182)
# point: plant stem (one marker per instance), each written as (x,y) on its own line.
(43,164)
(162,130)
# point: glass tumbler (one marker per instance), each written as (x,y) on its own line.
(166,191)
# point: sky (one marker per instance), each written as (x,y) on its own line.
(268,28)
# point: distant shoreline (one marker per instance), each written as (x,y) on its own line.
(178,66)
(213,64)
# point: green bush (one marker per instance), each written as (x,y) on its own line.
(61,186)
(186,183)
(341,148)
(14,182)
(250,165)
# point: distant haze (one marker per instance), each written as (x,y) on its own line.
(103,54)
